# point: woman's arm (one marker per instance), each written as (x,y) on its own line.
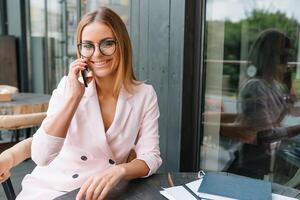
(238,132)
(14,156)
(49,139)
(58,124)
(277,134)
(134,169)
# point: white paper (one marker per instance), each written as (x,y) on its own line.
(280,197)
(165,194)
(179,192)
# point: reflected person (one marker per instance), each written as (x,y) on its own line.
(265,98)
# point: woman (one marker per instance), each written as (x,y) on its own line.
(266,97)
(88,133)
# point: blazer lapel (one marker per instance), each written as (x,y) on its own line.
(96,121)
(122,113)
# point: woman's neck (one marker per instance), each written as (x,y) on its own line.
(105,86)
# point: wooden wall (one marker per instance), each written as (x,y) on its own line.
(8,61)
(157,34)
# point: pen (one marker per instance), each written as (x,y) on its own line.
(170,181)
(171,184)
(191,192)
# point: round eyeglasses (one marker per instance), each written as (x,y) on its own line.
(106,47)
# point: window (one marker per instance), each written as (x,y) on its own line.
(52,36)
(251,117)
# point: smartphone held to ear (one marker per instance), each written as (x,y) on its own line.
(84,74)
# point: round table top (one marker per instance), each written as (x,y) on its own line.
(148,188)
(25,103)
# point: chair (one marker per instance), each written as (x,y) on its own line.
(21,121)
(17,122)
(9,190)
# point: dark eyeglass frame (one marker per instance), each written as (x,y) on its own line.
(99,47)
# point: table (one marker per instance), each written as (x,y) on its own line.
(148,189)
(25,111)
(25,103)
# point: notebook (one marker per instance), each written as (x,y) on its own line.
(234,187)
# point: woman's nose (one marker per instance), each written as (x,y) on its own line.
(97,53)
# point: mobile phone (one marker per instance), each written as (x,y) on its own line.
(84,76)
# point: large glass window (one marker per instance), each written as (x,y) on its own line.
(122,7)
(52,36)
(252,114)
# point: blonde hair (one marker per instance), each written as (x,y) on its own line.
(124,72)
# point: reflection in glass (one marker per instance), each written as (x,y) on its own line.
(37,16)
(252,88)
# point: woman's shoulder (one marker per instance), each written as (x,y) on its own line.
(61,84)
(254,84)
(254,87)
(143,87)
(143,90)
(254,81)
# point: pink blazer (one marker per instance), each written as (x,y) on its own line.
(65,164)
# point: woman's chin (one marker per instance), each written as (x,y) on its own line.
(101,73)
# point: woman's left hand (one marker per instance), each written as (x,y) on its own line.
(98,186)
(6,163)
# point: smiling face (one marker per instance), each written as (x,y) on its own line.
(101,65)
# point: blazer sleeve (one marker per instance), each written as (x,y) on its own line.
(45,147)
(147,145)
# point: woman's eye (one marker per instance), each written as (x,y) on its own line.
(108,43)
(87,46)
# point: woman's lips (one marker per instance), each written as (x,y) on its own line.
(100,63)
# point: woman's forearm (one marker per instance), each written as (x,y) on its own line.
(58,124)
(293,130)
(20,152)
(134,169)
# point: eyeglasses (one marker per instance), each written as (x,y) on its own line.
(107,47)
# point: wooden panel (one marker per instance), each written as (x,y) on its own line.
(158,57)
(135,33)
(175,78)
(8,66)
(142,69)
(158,64)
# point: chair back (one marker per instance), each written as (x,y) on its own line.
(20,121)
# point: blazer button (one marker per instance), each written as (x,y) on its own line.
(75,176)
(83,158)
(111,161)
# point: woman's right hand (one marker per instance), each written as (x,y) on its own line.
(74,88)
(6,163)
